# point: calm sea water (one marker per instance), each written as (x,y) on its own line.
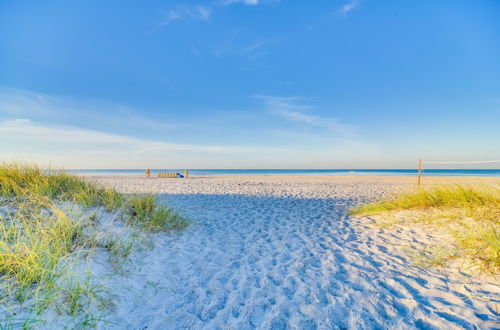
(385,172)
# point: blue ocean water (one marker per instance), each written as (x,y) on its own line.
(356,172)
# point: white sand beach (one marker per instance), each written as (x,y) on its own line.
(249,164)
(279,252)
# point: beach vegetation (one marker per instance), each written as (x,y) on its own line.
(120,251)
(78,293)
(33,241)
(470,214)
(22,180)
(41,236)
(145,212)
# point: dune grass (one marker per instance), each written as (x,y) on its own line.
(145,212)
(38,236)
(19,181)
(470,214)
(33,242)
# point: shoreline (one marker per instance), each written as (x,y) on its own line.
(403,180)
(301,172)
(347,177)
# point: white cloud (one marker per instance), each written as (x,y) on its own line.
(27,131)
(202,13)
(186,13)
(246,2)
(73,147)
(348,7)
(16,103)
(255,46)
(74,134)
(293,109)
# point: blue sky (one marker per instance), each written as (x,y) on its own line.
(249,83)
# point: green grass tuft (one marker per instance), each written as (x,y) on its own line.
(470,214)
(143,211)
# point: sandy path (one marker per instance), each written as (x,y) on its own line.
(279,253)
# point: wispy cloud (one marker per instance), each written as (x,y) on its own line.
(290,129)
(186,13)
(74,147)
(15,103)
(27,130)
(344,10)
(348,7)
(78,134)
(258,49)
(246,2)
(255,46)
(294,109)
(202,13)
(196,51)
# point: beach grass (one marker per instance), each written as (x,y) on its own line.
(33,241)
(471,214)
(39,234)
(145,212)
(22,180)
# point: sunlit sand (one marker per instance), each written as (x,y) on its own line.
(277,251)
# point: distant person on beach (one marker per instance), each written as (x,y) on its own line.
(148,173)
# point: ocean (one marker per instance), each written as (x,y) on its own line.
(345,172)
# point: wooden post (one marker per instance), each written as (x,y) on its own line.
(419,170)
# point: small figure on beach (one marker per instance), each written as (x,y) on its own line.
(148,173)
